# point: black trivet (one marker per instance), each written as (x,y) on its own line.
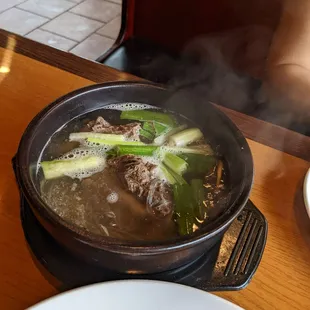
(229,265)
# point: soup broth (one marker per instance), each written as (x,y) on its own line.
(133,172)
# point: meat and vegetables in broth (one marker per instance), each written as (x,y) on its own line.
(133,173)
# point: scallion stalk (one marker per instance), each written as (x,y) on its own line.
(199,196)
(149,126)
(160,140)
(78,136)
(146,134)
(185,150)
(159,128)
(175,163)
(199,163)
(58,168)
(96,141)
(144,115)
(186,137)
(139,148)
(178,178)
(145,150)
(167,175)
(183,208)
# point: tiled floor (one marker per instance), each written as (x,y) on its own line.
(87,28)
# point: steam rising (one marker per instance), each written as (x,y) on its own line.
(214,67)
(226,68)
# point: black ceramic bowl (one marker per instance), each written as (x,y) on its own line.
(136,257)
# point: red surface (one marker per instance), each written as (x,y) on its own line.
(130,19)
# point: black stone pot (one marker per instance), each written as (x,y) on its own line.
(136,257)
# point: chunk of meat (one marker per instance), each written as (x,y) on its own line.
(130,130)
(134,172)
(99,123)
(159,199)
(140,179)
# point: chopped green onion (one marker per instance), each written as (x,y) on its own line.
(156,129)
(160,140)
(178,178)
(168,176)
(199,196)
(146,150)
(146,134)
(185,150)
(149,126)
(144,115)
(201,149)
(175,163)
(78,136)
(96,141)
(159,128)
(139,148)
(183,208)
(58,168)
(198,163)
(186,137)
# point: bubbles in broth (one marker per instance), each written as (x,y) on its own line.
(133,172)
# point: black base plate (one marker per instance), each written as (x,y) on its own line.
(229,265)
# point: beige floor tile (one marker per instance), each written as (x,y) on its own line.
(7,4)
(98,9)
(72,26)
(47,8)
(51,39)
(111,29)
(93,47)
(19,21)
(76,1)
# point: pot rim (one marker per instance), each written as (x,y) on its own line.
(112,244)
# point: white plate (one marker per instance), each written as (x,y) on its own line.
(307,192)
(135,295)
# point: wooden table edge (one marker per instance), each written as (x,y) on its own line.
(255,129)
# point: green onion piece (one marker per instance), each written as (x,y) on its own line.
(160,140)
(201,149)
(138,148)
(199,196)
(58,168)
(168,176)
(186,137)
(175,163)
(183,208)
(96,141)
(112,152)
(149,126)
(159,128)
(145,150)
(198,163)
(185,150)
(78,136)
(146,134)
(171,177)
(178,178)
(144,115)
(156,129)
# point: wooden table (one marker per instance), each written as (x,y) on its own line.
(33,75)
